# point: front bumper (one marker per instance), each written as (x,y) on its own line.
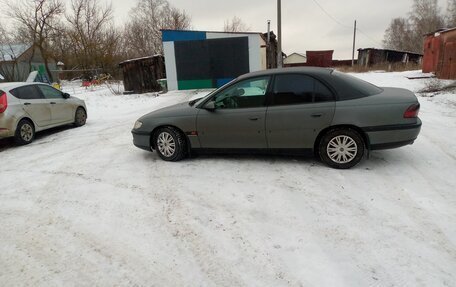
(141,140)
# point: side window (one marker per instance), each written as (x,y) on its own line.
(299,89)
(50,92)
(249,93)
(26,93)
(322,93)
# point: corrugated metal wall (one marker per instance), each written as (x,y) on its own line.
(197,59)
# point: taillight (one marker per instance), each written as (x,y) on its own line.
(3,102)
(412,111)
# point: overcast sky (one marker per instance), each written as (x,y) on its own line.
(304,25)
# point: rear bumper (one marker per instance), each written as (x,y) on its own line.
(141,140)
(5,133)
(392,136)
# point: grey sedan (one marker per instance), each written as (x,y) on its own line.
(27,108)
(294,110)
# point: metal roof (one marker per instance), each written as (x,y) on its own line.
(389,50)
(12,52)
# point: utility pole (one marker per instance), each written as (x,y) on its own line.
(279,34)
(354,42)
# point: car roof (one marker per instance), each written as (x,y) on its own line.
(306,70)
(13,85)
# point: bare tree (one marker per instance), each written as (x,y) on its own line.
(451,14)
(398,35)
(425,17)
(36,21)
(235,25)
(142,34)
(7,71)
(92,35)
(407,34)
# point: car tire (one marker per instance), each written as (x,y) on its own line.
(80,117)
(25,132)
(341,148)
(170,144)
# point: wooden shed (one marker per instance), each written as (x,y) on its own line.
(141,74)
(440,53)
(372,56)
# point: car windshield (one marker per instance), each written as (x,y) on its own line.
(200,100)
(361,86)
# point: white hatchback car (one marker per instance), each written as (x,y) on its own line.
(26,108)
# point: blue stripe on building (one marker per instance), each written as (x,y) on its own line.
(174,36)
(221,82)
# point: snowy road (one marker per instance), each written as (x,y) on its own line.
(84,207)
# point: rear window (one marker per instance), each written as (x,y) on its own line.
(26,93)
(349,87)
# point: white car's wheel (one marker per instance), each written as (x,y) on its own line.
(25,132)
(80,117)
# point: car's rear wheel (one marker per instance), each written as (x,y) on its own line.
(170,144)
(341,148)
(80,117)
(25,132)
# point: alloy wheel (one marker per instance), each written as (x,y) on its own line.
(26,132)
(342,149)
(166,144)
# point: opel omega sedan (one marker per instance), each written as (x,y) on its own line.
(336,116)
(26,108)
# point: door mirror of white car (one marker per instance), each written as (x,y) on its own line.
(66,95)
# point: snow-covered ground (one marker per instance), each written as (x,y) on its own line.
(84,207)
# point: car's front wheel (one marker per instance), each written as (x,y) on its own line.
(25,132)
(341,148)
(80,117)
(170,144)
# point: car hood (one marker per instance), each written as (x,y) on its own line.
(177,110)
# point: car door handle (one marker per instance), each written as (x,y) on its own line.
(53,103)
(26,104)
(254,118)
(316,115)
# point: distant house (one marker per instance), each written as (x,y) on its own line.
(141,74)
(202,59)
(373,56)
(321,58)
(440,53)
(18,60)
(295,59)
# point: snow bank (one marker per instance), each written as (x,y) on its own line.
(83,206)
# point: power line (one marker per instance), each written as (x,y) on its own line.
(345,26)
(368,37)
(330,16)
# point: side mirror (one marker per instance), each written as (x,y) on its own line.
(66,95)
(239,92)
(210,106)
